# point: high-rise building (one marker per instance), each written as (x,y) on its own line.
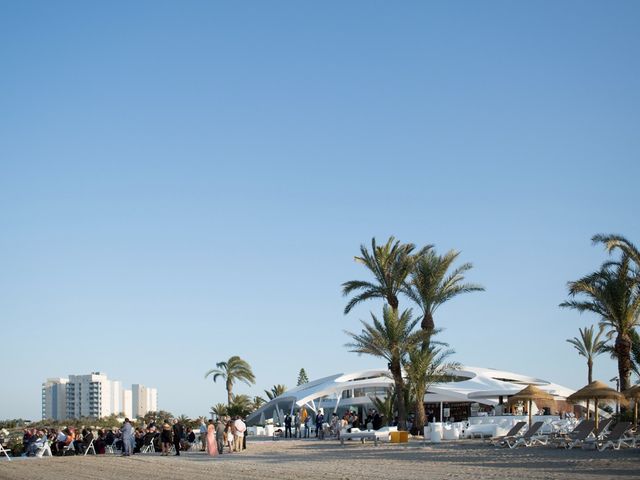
(92,395)
(54,398)
(144,399)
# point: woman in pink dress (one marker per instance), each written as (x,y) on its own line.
(212,447)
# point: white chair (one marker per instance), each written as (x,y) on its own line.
(4,450)
(44,450)
(90,447)
(113,447)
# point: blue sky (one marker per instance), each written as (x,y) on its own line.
(185,181)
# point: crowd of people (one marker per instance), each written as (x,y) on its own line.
(171,437)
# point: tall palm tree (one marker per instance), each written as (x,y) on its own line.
(425,367)
(231,371)
(613,294)
(390,339)
(589,346)
(390,264)
(613,242)
(431,283)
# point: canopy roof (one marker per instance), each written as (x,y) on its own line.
(470,385)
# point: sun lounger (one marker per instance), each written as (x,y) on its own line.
(618,437)
(603,427)
(529,438)
(578,435)
(496,441)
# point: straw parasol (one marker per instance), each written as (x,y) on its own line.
(633,393)
(596,390)
(531,394)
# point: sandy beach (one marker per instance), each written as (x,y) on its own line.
(294,459)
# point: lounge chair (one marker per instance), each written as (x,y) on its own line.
(529,438)
(578,435)
(496,441)
(603,427)
(618,437)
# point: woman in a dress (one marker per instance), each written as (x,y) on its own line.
(212,447)
(166,438)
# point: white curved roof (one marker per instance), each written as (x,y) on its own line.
(473,384)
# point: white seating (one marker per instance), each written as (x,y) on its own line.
(4,450)
(90,447)
(44,450)
(363,436)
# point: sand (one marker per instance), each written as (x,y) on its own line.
(296,459)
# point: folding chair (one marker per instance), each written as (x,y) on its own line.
(5,451)
(44,450)
(90,447)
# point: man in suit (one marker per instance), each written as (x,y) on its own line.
(220,435)
(177,434)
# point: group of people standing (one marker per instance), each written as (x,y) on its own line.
(229,431)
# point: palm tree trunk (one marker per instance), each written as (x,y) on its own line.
(396,371)
(590,379)
(229,394)
(622,348)
(421,415)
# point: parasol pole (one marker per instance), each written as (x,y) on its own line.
(596,407)
(530,402)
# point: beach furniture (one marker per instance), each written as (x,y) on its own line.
(356,434)
(618,437)
(496,441)
(578,435)
(529,438)
(603,427)
(113,447)
(147,446)
(44,450)
(5,451)
(90,447)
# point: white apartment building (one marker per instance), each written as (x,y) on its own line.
(92,395)
(144,399)
(54,398)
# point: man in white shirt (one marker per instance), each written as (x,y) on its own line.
(241,427)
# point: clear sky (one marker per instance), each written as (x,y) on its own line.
(185,181)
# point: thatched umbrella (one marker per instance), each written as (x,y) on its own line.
(633,393)
(597,391)
(532,394)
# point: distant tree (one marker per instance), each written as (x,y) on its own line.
(233,370)
(432,283)
(240,405)
(613,294)
(275,391)
(219,410)
(390,265)
(385,406)
(589,345)
(257,402)
(425,367)
(302,377)
(390,338)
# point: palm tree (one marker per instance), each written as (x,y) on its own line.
(219,409)
(240,405)
(275,391)
(390,264)
(390,339)
(431,284)
(385,406)
(613,242)
(257,402)
(231,371)
(589,346)
(612,293)
(425,367)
